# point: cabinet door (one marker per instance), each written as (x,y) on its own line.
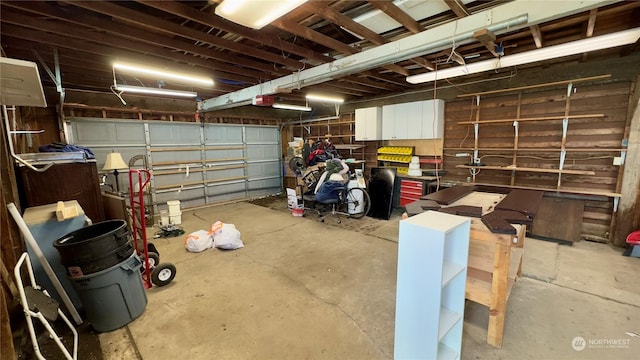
(368,123)
(388,122)
(433,119)
(402,121)
(412,127)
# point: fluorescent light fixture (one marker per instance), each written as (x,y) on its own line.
(255,13)
(324,98)
(162,74)
(291,107)
(552,52)
(155,91)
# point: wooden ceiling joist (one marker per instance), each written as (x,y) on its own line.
(398,15)
(142,19)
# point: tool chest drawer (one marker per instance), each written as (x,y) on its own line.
(410,190)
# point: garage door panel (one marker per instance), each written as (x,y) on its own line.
(222,134)
(263,152)
(176,157)
(264,183)
(220,189)
(224,154)
(174,133)
(175,179)
(263,134)
(107,132)
(225,174)
(188,197)
(263,169)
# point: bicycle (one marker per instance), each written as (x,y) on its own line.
(351,202)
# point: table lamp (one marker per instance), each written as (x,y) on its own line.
(114,162)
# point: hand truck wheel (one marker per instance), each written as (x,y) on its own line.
(163,274)
(154,259)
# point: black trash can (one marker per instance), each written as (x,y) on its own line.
(105,272)
(95,247)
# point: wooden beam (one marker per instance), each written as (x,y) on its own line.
(427,64)
(209,19)
(591,24)
(336,17)
(104,44)
(537,35)
(458,8)
(627,218)
(315,36)
(138,17)
(398,15)
(487,38)
(329,13)
(7,350)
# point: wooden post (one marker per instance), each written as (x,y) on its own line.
(498,305)
(7,350)
(627,217)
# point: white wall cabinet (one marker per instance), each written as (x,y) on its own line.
(433,119)
(368,123)
(433,249)
(413,120)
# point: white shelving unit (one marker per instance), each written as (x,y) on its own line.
(433,249)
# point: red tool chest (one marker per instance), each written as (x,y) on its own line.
(410,191)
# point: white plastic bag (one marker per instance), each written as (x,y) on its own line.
(226,237)
(198,241)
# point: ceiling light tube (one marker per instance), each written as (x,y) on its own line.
(547,53)
(130,68)
(155,91)
(291,107)
(255,13)
(324,98)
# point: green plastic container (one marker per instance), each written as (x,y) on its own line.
(113,297)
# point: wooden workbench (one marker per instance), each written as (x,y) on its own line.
(495,263)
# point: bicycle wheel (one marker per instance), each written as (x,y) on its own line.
(358,203)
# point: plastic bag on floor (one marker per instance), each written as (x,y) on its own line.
(226,236)
(198,241)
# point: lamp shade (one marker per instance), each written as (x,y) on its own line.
(114,162)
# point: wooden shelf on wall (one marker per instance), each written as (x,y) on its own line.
(528,169)
(540,118)
(537,86)
(348,146)
(594,150)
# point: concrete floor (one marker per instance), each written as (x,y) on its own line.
(302,289)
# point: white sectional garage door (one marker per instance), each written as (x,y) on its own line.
(198,164)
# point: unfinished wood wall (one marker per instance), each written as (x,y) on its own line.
(340,131)
(591,142)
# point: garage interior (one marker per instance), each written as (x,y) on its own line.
(497,143)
